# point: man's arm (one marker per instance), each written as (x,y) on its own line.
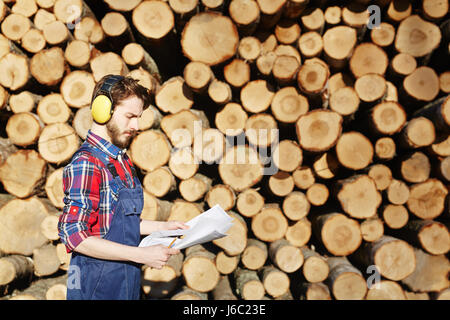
(154,256)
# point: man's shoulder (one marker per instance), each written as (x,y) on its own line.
(85,157)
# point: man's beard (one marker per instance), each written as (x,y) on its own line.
(117,137)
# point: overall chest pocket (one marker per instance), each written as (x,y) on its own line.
(131,203)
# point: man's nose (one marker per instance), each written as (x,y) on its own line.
(134,124)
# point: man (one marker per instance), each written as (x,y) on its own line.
(100,223)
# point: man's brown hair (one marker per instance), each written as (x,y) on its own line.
(123,89)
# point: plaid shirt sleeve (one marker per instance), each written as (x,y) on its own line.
(81,182)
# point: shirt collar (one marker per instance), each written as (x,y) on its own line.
(104,145)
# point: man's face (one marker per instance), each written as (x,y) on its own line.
(123,125)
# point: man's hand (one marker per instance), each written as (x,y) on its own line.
(156,256)
(174,225)
(149,226)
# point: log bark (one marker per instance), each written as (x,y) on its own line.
(393,258)
(256,96)
(314,291)
(417,36)
(299,233)
(276,282)
(54,188)
(354,150)
(432,236)
(388,118)
(358,196)
(285,256)
(254,255)
(381,175)
(236,240)
(222,195)
(372,229)
(182,163)
(303,177)
(245,15)
(438,112)
(395,216)
(338,45)
(223,290)
(20,227)
(422,85)
(385,149)
(319,130)
(427,199)
(184,211)
(23,173)
(198,76)
(77,88)
(430,274)
(199,40)
(248,285)
(345,281)
(368,58)
(156,209)
(117,30)
(194,188)
(226,264)
(45,260)
(174,96)
(386,290)
(249,202)
(52,108)
(317,194)
(281,184)
(199,270)
(240,168)
(296,205)
(78,54)
(149,159)
(16,73)
(288,105)
(107,63)
(315,267)
(415,167)
(159,283)
(269,224)
(340,235)
(58,142)
(24,128)
(15,268)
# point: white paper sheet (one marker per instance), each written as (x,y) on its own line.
(210,225)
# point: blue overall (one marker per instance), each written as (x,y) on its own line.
(112,280)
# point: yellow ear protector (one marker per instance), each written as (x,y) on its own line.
(102,106)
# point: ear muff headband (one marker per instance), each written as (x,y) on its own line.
(102,106)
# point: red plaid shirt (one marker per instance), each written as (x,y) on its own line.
(89,202)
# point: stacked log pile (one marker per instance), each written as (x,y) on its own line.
(324,137)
